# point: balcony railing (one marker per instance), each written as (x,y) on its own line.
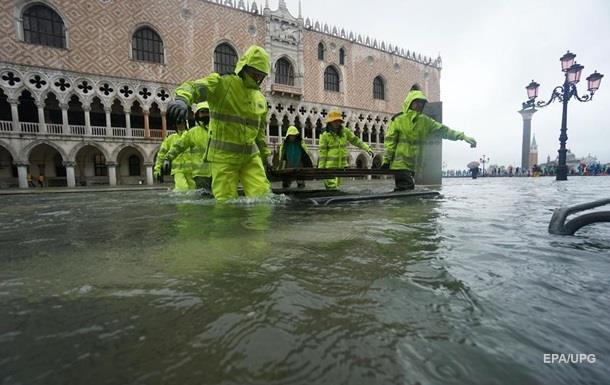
(137,132)
(98,131)
(6,126)
(56,129)
(29,127)
(77,130)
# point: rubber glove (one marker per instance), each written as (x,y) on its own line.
(177,112)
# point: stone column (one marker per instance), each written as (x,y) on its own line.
(527,132)
(70,178)
(64,117)
(22,173)
(149,173)
(146,113)
(163,124)
(42,127)
(107,110)
(87,109)
(128,123)
(15,114)
(111,173)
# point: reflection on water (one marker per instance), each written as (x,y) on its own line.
(154,287)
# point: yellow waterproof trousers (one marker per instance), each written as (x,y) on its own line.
(250,172)
(332,184)
(183,181)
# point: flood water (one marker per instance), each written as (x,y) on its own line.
(152,287)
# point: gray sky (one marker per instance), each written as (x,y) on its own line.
(491,50)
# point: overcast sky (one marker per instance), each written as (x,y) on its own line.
(491,50)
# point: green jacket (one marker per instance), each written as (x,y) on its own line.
(237,113)
(192,144)
(179,163)
(305,155)
(333,147)
(408,132)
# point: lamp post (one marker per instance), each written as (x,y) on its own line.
(564,93)
(484,160)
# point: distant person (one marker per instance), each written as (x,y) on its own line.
(41,180)
(333,146)
(405,135)
(294,154)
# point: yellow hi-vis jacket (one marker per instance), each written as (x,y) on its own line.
(408,132)
(237,113)
(333,147)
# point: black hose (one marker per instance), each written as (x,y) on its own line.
(575,224)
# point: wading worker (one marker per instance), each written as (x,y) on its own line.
(178,165)
(236,151)
(294,154)
(333,146)
(406,135)
(193,144)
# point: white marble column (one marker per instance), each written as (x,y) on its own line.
(128,123)
(64,117)
(149,173)
(87,110)
(111,173)
(42,127)
(146,113)
(22,173)
(164,124)
(107,110)
(70,177)
(15,114)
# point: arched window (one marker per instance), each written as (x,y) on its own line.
(341,56)
(42,25)
(284,73)
(134,165)
(320,51)
(331,79)
(147,45)
(378,89)
(225,59)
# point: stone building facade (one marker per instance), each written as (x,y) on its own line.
(84,86)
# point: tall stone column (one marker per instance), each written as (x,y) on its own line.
(64,117)
(149,173)
(87,109)
(128,123)
(163,124)
(146,113)
(70,178)
(527,133)
(42,127)
(107,110)
(111,173)
(15,114)
(22,173)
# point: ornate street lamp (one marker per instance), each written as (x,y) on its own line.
(564,93)
(484,160)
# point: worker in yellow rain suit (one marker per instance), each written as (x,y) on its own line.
(236,151)
(406,135)
(333,146)
(193,145)
(179,166)
(294,154)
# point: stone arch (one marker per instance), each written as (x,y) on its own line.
(22,5)
(117,151)
(11,151)
(362,161)
(377,161)
(27,109)
(72,154)
(26,151)
(6,114)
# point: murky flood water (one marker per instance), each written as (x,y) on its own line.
(152,287)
